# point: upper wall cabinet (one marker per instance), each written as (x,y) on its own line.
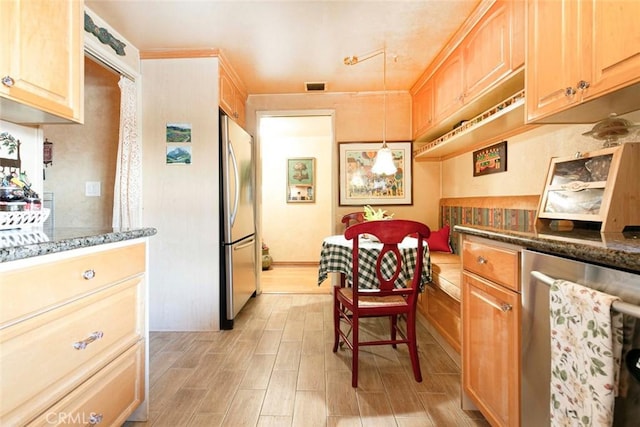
(41,61)
(583,60)
(233,97)
(478,71)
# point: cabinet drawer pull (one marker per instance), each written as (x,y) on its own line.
(583,85)
(95,419)
(81,345)
(89,274)
(504,307)
(8,81)
(481,260)
(570,91)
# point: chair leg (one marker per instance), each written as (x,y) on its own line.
(393,321)
(355,344)
(413,347)
(336,321)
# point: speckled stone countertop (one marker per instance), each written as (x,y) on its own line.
(27,243)
(618,250)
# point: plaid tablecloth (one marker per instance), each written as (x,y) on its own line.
(336,253)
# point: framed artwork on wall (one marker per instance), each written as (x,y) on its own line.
(359,186)
(491,159)
(301,180)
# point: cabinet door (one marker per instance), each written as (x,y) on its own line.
(422,109)
(615,37)
(227,94)
(490,349)
(448,90)
(41,63)
(487,53)
(553,58)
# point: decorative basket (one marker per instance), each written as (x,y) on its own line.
(23,219)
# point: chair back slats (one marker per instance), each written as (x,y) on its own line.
(352,218)
(390,232)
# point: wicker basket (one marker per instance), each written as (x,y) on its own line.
(23,219)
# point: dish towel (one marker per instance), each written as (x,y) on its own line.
(586,347)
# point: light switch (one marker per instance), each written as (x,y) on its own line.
(92,188)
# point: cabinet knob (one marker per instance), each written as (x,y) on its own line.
(570,91)
(95,419)
(8,81)
(583,85)
(89,274)
(481,260)
(81,345)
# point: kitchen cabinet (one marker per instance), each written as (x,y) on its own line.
(596,187)
(579,52)
(484,70)
(232,98)
(491,329)
(42,61)
(422,109)
(73,335)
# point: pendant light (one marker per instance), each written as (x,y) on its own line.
(383,163)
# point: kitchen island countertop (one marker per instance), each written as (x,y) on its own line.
(26,243)
(617,250)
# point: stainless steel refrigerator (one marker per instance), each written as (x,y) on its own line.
(237,220)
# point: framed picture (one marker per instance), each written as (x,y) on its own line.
(178,132)
(178,155)
(360,186)
(301,180)
(491,159)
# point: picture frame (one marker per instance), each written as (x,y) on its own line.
(178,132)
(492,159)
(359,186)
(178,155)
(301,180)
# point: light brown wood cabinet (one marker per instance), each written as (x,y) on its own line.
(232,98)
(41,61)
(577,52)
(482,67)
(491,329)
(72,336)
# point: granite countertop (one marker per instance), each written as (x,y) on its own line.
(26,243)
(618,250)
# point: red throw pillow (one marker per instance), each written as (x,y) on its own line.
(438,241)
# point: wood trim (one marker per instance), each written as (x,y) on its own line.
(179,53)
(295,264)
(504,202)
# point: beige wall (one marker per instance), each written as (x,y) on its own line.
(358,117)
(528,157)
(294,231)
(86,152)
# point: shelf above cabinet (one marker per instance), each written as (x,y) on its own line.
(500,121)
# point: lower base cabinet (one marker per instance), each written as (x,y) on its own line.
(73,348)
(491,330)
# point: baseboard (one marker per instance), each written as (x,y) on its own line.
(440,340)
(295,264)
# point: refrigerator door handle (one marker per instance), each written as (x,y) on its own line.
(249,242)
(236,200)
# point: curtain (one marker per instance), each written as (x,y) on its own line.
(127,205)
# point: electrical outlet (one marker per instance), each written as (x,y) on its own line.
(92,188)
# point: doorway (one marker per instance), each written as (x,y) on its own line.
(293,228)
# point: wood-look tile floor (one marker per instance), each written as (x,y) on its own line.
(277,368)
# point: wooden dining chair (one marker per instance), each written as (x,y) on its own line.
(350,304)
(352,218)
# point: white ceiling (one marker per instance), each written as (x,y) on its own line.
(276,46)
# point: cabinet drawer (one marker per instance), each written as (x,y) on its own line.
(39,361)
(31,290)
(107,398)
(498,264)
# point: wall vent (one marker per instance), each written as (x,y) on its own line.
(315,86)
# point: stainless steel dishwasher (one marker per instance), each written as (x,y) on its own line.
(539,270)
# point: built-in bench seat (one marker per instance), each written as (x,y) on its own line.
(440,303)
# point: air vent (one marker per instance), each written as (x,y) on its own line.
(315,86)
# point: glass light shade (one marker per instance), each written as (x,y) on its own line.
(383,165)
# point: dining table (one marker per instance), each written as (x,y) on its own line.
(337,253)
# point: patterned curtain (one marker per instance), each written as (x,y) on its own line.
(127,205)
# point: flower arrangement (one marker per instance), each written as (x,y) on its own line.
(371,214)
